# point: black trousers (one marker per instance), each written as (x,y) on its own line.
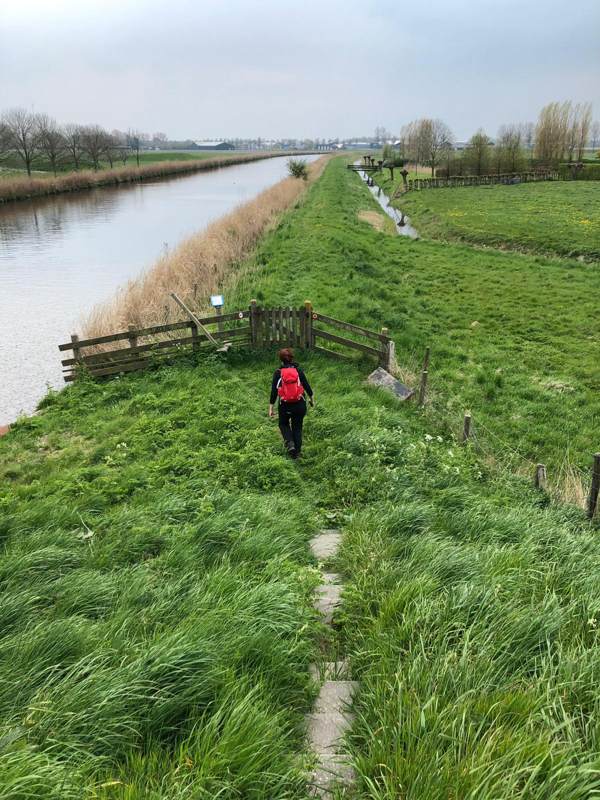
(291,418)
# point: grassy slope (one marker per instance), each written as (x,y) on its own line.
(156,625)
(513,337)
(560,218)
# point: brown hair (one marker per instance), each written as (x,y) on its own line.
(286,354)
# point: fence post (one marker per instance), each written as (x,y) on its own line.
(384,357)
(539,480)
(76,349)
(308,319)
(466,428)
(423,388)
(132,336)
(595,487)
(252,316)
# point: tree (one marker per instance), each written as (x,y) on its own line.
(94,142)
(582,123)
(74,143)
(509,148)
(478,152)
(551,133)
(5,148)
(436,141)
(594,139)
(51,140)
(21,127)
(134,143)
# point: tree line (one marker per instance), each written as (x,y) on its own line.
(563,132)
(29,138)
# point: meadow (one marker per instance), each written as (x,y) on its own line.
(555,218)
(156,623)
(512,336)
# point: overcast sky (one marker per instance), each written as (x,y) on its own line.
(307,68)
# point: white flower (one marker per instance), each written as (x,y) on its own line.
(428,438)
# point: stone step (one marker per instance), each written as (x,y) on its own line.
(335,696)
(327,599)
(326,731)
(330,671)
(331,577)
(325,544)
(332,771)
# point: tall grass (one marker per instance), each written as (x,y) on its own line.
(24,188)
(201,264)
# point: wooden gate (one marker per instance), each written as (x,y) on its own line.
(254,327)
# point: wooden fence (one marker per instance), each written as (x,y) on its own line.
(481,180)
(254,327)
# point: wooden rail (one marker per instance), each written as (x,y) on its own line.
(254,327)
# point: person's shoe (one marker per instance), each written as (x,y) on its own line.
(293,453)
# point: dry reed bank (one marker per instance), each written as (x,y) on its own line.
(24,188)
(202,264)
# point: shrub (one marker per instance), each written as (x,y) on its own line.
(297,168)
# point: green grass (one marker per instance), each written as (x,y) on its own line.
(556,218)
(156,624)
(512,337)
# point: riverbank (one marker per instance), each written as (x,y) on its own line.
(24,188)
(205,264)
(165,644)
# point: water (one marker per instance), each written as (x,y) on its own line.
(60,256)
(403,226)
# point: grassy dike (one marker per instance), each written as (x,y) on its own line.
(155,583)
(513,337)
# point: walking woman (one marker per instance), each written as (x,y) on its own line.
(290,384)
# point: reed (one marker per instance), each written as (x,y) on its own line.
(24,188)
(201,264)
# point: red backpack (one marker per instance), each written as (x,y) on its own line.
(289,388)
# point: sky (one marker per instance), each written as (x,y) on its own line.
(297,68)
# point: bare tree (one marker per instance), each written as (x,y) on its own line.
(478,152)
(509,148)
(594,139)
(436,141)
(51,140)
(552,131)
(21,128)
(5,148)
(582,123)
(134,142)
(93,139)
(73,135)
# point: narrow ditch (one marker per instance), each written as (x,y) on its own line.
(402,222)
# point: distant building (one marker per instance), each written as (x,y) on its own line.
(213,146)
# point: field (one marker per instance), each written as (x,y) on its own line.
(156,624)
(512,336)
(561,218)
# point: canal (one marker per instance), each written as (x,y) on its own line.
(60,256)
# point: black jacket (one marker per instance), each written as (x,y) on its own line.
(277,376)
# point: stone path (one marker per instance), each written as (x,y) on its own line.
(331,716)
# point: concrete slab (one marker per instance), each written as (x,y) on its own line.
(333,770)
(331,577)
(325,544)
(327,599)
(380,377)
(335,696)
(326,731)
